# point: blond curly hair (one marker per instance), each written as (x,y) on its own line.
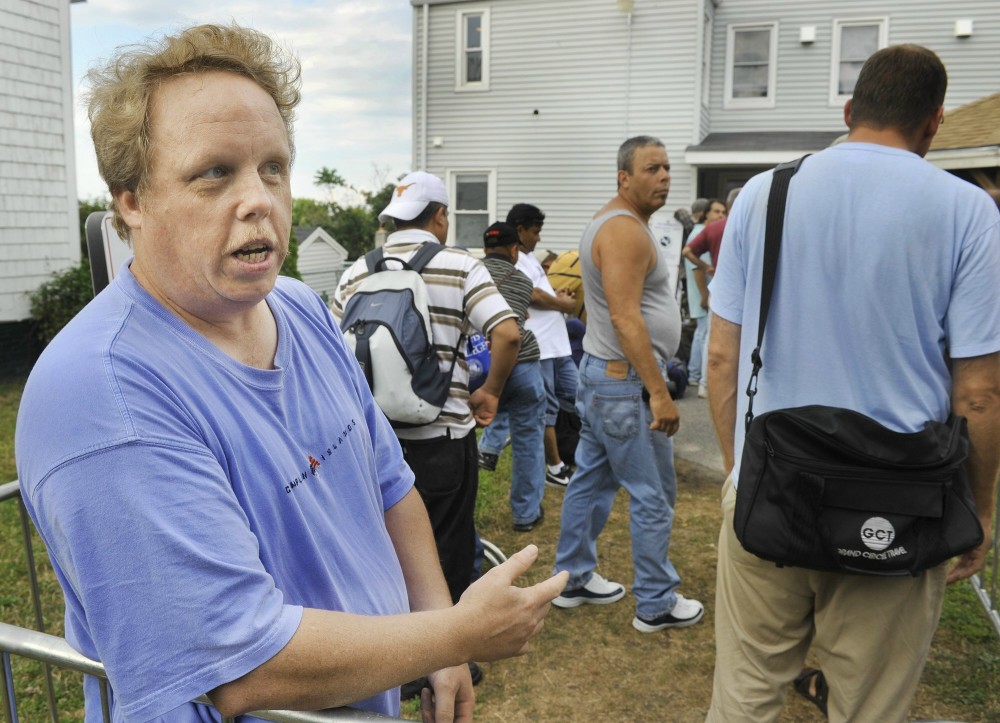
(118,102)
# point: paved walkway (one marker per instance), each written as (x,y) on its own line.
(695,442)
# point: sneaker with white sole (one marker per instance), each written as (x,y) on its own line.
(686,612)
(597,591)
(558,479)
(702,391)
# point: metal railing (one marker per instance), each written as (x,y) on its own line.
(53,651)
(987,582)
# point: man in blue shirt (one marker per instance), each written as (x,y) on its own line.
(885,303)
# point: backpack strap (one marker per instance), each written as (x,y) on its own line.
(773,228)
(363,353)
(374,259)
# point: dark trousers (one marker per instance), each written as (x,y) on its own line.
(447,478)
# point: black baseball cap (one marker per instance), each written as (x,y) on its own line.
(500,234)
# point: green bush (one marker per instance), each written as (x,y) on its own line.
(290,266)
(57,301)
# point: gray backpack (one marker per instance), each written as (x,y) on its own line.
(388,326)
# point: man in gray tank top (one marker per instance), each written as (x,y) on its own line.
(633,328)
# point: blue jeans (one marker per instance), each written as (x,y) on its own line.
(617,450)
(523,402)
(698,363)
(559,376)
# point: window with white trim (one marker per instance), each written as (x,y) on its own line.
(472,42)
(751,60)
(854,41)
(473,195)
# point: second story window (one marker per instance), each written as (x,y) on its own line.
(751,57)
(472,41)
(854,41)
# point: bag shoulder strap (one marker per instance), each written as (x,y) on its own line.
(774,224)
(376,260)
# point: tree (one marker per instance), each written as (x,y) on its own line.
(310,212)
(352,225)
(290,266)
(354,228)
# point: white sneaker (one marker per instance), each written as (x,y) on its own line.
(686,612)
(597,591)
(702,391)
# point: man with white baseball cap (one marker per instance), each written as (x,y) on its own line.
(412,195)
(443,454)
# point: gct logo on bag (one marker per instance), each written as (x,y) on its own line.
(877,533)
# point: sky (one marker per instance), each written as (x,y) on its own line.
(356,90)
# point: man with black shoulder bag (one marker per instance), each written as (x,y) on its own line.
(854,381)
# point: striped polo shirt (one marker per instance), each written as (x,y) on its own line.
(461,297)
(516,289)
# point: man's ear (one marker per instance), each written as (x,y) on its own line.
(935,122)
(127,204)
(847,111)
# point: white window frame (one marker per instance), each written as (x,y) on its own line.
(451,177)
(461,84)
(836,98)
(772,67)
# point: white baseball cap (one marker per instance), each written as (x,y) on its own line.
(412,194)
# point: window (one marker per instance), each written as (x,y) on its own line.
(751,52)
(472,62)
(854,41)
(473,206)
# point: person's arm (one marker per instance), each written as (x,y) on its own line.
(564,301)
(975,395)
(623,254)
(505,341)
(723,380)
(694,250)
(336,658)
(701,281)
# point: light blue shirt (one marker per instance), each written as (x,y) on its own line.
(888,265)
(192,506)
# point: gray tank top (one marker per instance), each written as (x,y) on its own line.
(658,306)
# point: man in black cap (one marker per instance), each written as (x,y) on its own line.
(523,397)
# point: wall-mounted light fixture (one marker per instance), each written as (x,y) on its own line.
(437,141)
(807,34)
(626,6)
(963,28)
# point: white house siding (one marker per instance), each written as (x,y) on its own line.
(568,59)
(803,71)
(321,267)
(38,217)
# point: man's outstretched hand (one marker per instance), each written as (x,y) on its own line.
(504,617)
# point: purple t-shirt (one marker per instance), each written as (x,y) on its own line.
(192,506)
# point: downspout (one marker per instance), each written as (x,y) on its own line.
(425,93)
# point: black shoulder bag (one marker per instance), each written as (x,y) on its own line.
(830,489)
